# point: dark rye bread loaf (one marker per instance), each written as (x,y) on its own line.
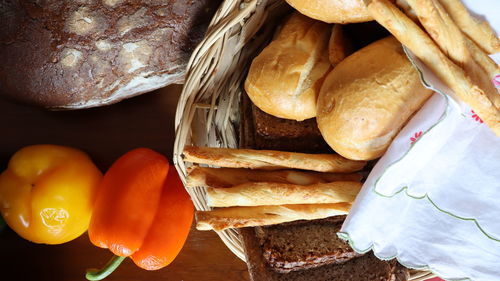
(285,247)
(85,53)
(363,268)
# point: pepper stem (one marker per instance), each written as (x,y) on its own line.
(99,274)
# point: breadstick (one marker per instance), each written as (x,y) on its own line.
(454,44)
(228,177)
(267,193)
(403,5)
(339,47)
(490,67)
(408,33)
(236,217)
(442,29)
(479,31)
(270,159)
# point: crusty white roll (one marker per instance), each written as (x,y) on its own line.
(333,11)
(285,78)
(367,98)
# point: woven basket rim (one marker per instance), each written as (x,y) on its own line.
(231,13)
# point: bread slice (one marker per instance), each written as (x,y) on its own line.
(362,268)
(285,248)
(273,133)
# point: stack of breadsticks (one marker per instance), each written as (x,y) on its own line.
(454,45)
(264,187)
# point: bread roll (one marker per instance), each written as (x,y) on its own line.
(367,98)
(236,217)
(285,78)
(270,159)
(333,11)
(228,177)
(269,193)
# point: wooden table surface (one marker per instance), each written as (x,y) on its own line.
(104,133)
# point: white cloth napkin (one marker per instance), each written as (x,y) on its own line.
(433,200)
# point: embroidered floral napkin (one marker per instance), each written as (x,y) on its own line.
(433,200)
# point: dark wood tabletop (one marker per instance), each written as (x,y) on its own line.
(104,133)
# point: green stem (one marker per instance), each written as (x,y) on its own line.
(99,274)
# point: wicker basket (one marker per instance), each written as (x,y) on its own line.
(208,109)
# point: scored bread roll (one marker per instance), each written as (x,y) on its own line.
(268,193)
(333,11)
(270,159)
(236,217)
(228,177)
(367,98)
(285,78)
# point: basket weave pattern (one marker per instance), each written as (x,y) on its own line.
(208,109)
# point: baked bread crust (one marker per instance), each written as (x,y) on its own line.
(333,11)
(78,54)
(419,42)
(443,30)
(364,101)
(270,193)
(479,31)
(237,217)
(228,177)
(270,159)
(285,78)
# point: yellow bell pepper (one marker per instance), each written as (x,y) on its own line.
(47,193)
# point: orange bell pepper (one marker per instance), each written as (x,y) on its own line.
(47,193)
(141,211)
(170,227)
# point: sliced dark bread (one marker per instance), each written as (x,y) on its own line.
(285,247)
(275,133)
(363,268)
